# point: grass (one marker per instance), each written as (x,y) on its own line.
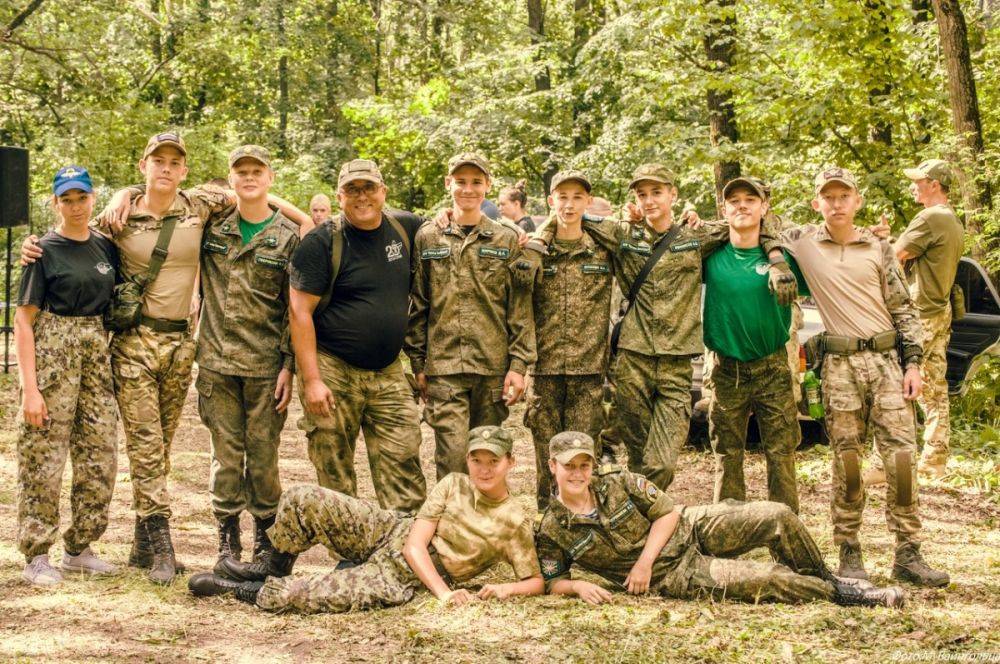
(127,618)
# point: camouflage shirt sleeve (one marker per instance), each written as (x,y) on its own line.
(102,222)
(437,500)
(900,306)
(209,199)
(520,320)
(712,234)
(651,501)
(415,344)
(520,552)
(553,560)
(770,233)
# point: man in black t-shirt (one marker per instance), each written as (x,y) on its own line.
(348,352)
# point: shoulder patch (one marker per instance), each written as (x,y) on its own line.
(651,491)
(435,253)
(687,245)
(596,268)
(551,568)
(494,252)
(274,262)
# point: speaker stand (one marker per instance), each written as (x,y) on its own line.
(7,329)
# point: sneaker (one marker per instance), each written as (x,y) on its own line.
(86,562)
(40,572)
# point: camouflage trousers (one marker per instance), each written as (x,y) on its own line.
(352,529)
(863,398)
(792,348)
(561,403)
(73,373)
(653,412)
(763,387)
(728,529)
(152,372)
(456,404)
(240,415)
(934,398)
(379,403)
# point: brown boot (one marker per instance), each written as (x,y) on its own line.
(911,566)
(851,564)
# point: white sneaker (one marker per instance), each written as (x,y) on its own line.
(86,562)
(40,573)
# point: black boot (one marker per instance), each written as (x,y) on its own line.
(262,546)
(164,566)
(847,594)
(141,554)
(207,584)
(229,540)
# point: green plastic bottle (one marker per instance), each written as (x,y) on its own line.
(814,396)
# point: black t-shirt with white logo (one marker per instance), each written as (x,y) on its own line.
(72,278)
(366,321)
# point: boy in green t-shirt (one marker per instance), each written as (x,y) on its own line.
(746,329)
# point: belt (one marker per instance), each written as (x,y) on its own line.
(880,343)
(165,325)
(438,565)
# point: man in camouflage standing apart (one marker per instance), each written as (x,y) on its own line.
(471,333)
(866,310)
(244,355)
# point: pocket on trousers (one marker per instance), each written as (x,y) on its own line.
(128,370)
(438,392)
(204,385)
(845,401)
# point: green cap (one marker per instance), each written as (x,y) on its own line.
(566,176)
(255,152)
(654,172)
(492,439)
(566,445)
(931,169)
(469,159)
(835,174)
(755,185)
(359,169)
(157,141)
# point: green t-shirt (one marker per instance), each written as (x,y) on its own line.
(936,239)
(742,320)
(248,230)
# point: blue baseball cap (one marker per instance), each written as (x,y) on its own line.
(71,177)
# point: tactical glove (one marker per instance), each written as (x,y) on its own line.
(782,284)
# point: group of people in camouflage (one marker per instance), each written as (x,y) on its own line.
(472,305)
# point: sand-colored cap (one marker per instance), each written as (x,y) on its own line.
(755,185)
(157,141)
(469,159)
(255,152)
(492,439)
(567,176)
(835,174)
(931,169)
(359,169)
(654,172)
(566,445)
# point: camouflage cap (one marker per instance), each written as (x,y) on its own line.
(255,152)
(755,185)
(931,169)
(567,176)
(835,174)
(359,169)
(654,172)
(157,141)
(566,445)
(469,159)
(492,439)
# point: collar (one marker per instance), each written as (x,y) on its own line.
(483,227)
(865,236)
(479,497)
(179,208)
(566,518)
(585,245)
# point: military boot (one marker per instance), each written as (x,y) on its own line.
(846,594)
(164,566)
(207,584)
(276,563)
(911,566)
(851,564)
(229,540)
(262,546)
(141,554)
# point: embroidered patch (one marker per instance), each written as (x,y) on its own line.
(215,247)
(641,248)
(685,246)
(651,491)
(762,268)
(551,568)
(622,513)
(640,483)
(271,261)
(494,252)
(596,268)
(435,253)
(549,271)
(271,241)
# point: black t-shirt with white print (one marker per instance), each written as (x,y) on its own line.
(72,278)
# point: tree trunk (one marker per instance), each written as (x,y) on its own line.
(282,84)
(954,41)
(720,48)
(376,6)
(582,26)
(543,80)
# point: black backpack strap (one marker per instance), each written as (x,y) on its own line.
(336,257)
(658,250)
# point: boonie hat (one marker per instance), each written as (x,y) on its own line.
(566,445)
(469,159)
(654,172)
(359,169)
(157,141)
(71,177)
(931,169)
(835,174)
(755,185)
(492,439)
(567,176)
(254,152)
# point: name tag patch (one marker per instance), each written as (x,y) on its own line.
(435,253)
(494,252)
(549,271)
(214,247)
(685,246)
(271,262)
(622,513)
(641,248)
(596,268)
(582,545)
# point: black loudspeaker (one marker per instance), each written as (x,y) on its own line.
(13,186)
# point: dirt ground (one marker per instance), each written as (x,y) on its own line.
(127,618)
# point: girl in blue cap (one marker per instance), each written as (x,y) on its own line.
(67,399)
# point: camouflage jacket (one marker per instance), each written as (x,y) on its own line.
(244,310)
(572,308)
(667,312)
(470,309)
(627,506)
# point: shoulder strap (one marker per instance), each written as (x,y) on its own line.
(658,251)
(159,254)
(336,257)
(398,227)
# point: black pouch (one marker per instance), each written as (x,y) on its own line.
(125,311)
